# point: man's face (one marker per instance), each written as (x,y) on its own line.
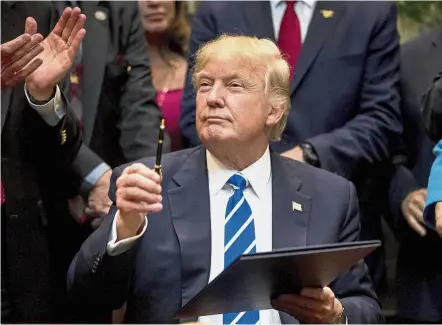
(230,102)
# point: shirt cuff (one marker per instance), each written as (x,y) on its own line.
(114,248)
(92,178)
(53,111)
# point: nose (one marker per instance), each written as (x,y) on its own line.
(152,3)
(215,98)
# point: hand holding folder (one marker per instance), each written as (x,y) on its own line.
(252,281)
(312,306)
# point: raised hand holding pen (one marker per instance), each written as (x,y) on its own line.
(138,194)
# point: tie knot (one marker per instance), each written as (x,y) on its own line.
(237,181)
(290,4)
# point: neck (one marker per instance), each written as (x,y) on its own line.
(237,158)
(158,48)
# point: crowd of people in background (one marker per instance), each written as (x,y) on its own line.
(91,93)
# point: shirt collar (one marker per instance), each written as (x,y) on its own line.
(310,3)
(258,174)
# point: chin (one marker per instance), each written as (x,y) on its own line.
(157,27)
(214,133)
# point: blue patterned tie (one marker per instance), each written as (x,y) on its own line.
(239,238)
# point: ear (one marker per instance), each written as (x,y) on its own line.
(275,114)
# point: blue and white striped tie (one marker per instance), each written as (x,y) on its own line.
(239,238)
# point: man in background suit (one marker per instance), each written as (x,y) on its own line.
(345,57)
(158,248)
(418,275)
(40,139)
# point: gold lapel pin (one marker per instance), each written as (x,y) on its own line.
(63,137)
(74,78)
(296,206)
(100,15)
(327,13)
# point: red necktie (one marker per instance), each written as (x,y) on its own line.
(289,40)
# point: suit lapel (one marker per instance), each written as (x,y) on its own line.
(258,19)
(290,208)
(189,202)
(289,224)
(319,30)
(93,62)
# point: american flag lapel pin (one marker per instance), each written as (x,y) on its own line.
(296,206)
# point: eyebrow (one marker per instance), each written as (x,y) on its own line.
(228,76)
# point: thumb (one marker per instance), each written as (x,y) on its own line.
(30,26)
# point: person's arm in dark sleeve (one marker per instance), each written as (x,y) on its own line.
(97,277)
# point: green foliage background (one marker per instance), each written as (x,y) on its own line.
(416,16)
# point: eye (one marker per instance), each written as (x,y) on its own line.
(236,84)
(203,83)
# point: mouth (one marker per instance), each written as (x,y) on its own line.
(155,16)
(215,119)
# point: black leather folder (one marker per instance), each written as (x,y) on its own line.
(251,281)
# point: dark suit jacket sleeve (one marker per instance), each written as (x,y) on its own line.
(96,278)
(373,133)
(203,30)
(432,110)
(48,146)
(140,116)
(354,288)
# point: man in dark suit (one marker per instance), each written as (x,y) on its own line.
(345,115)
(40,139)
(419,275)
(158,248)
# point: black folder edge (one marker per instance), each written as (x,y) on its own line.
(313,249)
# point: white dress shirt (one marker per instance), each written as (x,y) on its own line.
(259,197)
(304,10)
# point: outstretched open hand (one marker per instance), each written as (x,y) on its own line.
(16,57)
(60,48)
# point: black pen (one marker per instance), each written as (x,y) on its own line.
(157,166)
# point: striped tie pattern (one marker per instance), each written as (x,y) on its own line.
(239,238)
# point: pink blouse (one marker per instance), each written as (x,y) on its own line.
(171,109)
